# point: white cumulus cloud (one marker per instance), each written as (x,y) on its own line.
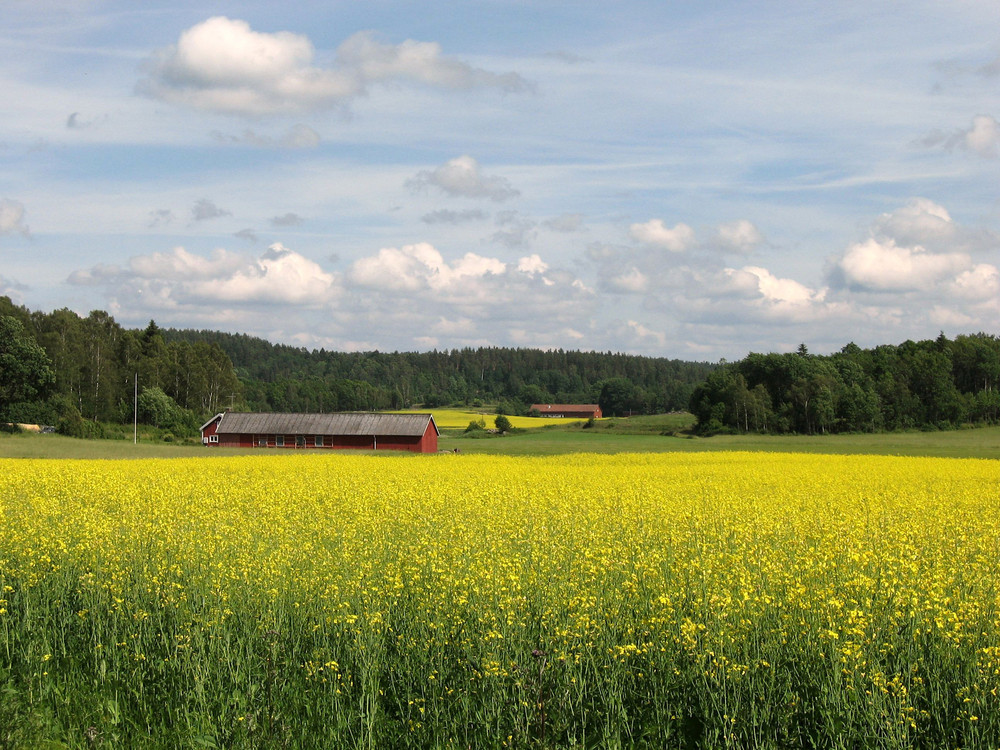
(982,282)
(180,279)
(179,264)
(532,264)
(223,65)
(884,266)
(739,236)
(279,275)
(419,266)
(984,136)
(655,233)
(409,290)
(775,289)
(920,222)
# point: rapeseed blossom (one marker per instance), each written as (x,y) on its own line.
(721,599)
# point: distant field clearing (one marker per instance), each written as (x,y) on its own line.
(450,419)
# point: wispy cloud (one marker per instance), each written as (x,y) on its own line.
(287,220)
(204,209)
(463,177)
(982,138)
(447,216)
(564,223)
(298,136)
(12,215)
(160,217)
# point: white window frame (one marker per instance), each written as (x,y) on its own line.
(213,438)
(319,441)
(279,441)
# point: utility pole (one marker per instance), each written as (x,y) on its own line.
(135,410)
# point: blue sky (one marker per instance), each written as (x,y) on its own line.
(693,180)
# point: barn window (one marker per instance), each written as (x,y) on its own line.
(213,438)
(300,441)
(318,441)
(262,443)
(279,440)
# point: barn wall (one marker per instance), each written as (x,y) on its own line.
(429,441)
(400,443)
(209,431)
(425,444)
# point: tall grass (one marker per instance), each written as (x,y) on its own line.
(700,600)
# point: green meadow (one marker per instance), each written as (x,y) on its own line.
(662,433)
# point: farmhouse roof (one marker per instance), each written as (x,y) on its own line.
(343,423)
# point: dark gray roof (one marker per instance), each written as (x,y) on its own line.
(344,423)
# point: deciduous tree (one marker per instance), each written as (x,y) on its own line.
(25,370)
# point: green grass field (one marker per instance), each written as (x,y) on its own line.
(655,434)
(978,443)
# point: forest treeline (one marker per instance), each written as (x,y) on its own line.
(84,374)
(87,374)
(936,383)
(278,377)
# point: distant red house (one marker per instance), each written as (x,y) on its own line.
(576,411)
(359,430)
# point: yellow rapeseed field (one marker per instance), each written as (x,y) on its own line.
(660,600)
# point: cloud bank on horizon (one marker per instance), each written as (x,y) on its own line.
(683,182)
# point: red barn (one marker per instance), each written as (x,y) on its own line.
(358,430)
(576,411)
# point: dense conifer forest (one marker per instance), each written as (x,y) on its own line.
(284,378)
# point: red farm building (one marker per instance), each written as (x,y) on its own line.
(576,411)
(358,430)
